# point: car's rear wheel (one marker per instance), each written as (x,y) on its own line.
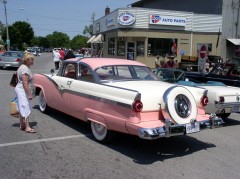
(224,116)
(44,108)
(180,105)
(101,133)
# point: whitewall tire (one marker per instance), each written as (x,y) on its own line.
(101,133)
(180,105)
(44,108)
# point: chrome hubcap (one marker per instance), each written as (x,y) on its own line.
(182,106)
(99,129)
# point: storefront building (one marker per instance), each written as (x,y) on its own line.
(141,34)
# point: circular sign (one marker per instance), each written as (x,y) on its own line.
(126,18)
(203,51)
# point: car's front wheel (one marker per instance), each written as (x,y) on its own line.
(44,108)
(224,116)
(101,133)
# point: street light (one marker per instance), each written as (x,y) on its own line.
(7,40)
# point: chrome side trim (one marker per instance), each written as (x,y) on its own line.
(225,105)
(96,98)
(171,130)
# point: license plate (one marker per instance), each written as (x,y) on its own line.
(7,65)
(192,127)
(235,109)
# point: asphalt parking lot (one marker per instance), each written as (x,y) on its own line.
(64,147)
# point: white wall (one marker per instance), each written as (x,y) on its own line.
(195,22)
(230,30)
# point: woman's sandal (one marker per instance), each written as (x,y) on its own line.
(31,131)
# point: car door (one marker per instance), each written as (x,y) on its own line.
(82,97)
(64,81)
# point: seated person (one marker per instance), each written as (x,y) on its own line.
(70,71)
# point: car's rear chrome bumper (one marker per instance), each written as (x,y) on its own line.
(170,130)
(226,105)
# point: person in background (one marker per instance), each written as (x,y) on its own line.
(86,53)
(170,63)
(24,91)
(207,66)
(237,52)
(69,55)
(163,60)
(157,62)
(62,54)
(177,64)
(56,59)
(227,61)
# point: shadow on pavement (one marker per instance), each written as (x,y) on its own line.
(230,122)
(141,151)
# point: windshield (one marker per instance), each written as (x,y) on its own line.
(122,72)
(170,75)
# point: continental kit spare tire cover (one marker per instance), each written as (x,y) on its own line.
(180,105)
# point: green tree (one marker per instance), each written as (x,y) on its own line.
(89,29)
(34,41)
(78,42)
(58,39)
(14,35)
(44,42)
(19,33)
(25,30)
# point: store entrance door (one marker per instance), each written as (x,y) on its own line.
(131,50)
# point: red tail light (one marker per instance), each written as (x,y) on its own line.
(18,60)
(204,101)
(0,59)
(137,106)
(221,99)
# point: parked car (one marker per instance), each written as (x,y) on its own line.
(11,59)
(222,72)
(223,100)
(79,55)
(124,96)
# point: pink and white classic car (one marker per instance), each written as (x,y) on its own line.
(117,95)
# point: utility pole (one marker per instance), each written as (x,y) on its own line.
(7,40)
(236,36)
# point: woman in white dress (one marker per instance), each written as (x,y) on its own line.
(24,91)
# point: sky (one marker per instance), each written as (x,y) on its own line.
(67,16)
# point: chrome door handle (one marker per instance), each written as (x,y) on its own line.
(69,82)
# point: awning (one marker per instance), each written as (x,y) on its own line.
(91,39)
(235,41)
(98,39)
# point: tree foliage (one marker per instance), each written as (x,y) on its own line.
(58,39)
(19,33)
(89,29)
(79,41)
(25,30)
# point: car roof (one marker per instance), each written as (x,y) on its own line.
(13,51)
(97,62)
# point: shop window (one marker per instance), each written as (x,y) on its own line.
(121,48)
(111,46)
(140,48)
(161,46)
